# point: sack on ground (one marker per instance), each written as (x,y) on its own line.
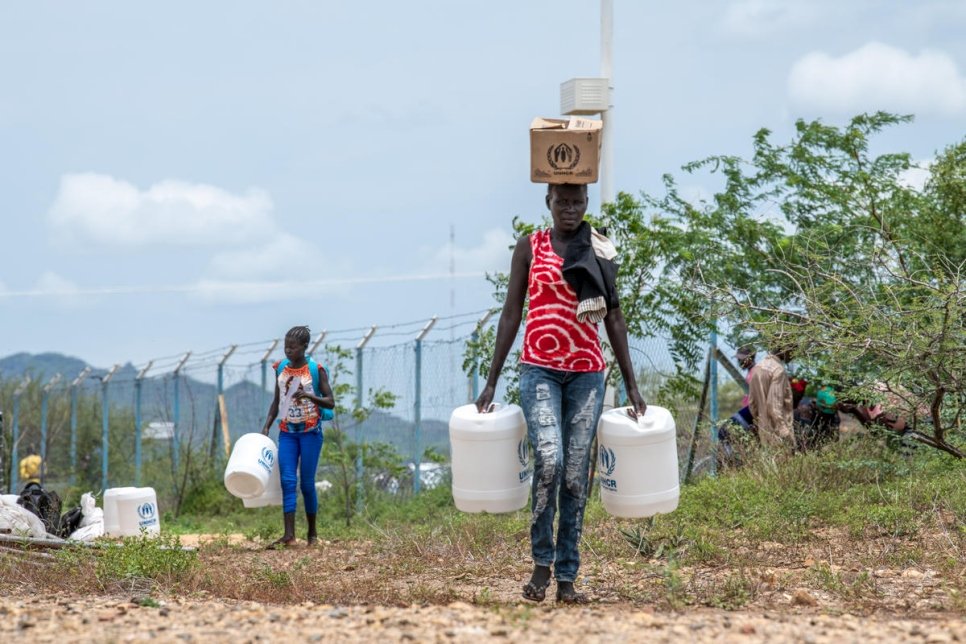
(43,503)
(70,521)
(18,521)
(92,513)
(92,521)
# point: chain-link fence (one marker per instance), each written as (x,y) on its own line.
(162,422)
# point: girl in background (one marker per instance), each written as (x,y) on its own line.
(298,403)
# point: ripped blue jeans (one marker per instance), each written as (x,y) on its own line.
(562,409)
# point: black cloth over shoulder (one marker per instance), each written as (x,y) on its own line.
(591,276)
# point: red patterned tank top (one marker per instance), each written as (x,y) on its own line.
(554,338)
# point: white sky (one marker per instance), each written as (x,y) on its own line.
(187,175)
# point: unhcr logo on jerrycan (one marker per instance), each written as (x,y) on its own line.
(267,459)
(148,514)
(608,461)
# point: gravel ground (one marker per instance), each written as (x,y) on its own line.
(105,619)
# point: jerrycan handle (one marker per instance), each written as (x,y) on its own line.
(641,419)
(493,406)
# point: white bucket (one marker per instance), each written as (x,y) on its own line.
(272,494)
(637,463)
(491,459)
(111,520)
(134,510)
(250,466)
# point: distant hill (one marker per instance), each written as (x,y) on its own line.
(41,365)
(247,404)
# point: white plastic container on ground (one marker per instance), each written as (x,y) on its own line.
(135,511)
(491,459)
(111,517)
(637,463)
(250,465)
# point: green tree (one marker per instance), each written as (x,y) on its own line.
(339,450)
(822,245)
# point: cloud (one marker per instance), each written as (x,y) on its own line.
(490,255)
(50,282)
(272,259)
(878,77)
(757,18)
(50,287)
(99,209)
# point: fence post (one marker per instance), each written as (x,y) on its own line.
(475,337)
(264,363)
(315,345)
(105,423)
(73,422)
(360,485)
(137,421)
(713,402)
(44,399)
(417,406)
(213,449)
(689,466)
(14,456)
(175,440)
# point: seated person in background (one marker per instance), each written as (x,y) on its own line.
(817,420)
(888,412)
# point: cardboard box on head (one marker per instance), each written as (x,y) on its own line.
(565,150)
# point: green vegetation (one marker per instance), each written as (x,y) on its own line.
(855,507)
(816,243)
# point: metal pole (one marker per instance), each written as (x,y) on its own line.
(689,465)
(105,424)
(44,397)
(14,456)
(713,404)
(475,378)
(417,405)
(318,341)
(137,422)
(607,117)
(264,361)
(73,422)
(175,440)
(360,486)
(221,392)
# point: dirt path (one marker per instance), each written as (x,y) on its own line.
(67,618)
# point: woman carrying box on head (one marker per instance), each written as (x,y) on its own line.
(568,274)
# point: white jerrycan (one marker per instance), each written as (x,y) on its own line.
(272,494)
(491,459)
(130,510)
(111,517)
(637,462)
(137,511)
(250,466)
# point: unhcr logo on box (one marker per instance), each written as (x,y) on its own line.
(563,156)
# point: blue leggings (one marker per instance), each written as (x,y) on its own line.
(292,448)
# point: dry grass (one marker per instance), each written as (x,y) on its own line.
(823,533)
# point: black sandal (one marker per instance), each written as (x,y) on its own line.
(567,594)
(535,590)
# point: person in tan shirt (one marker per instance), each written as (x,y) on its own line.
(770,400)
